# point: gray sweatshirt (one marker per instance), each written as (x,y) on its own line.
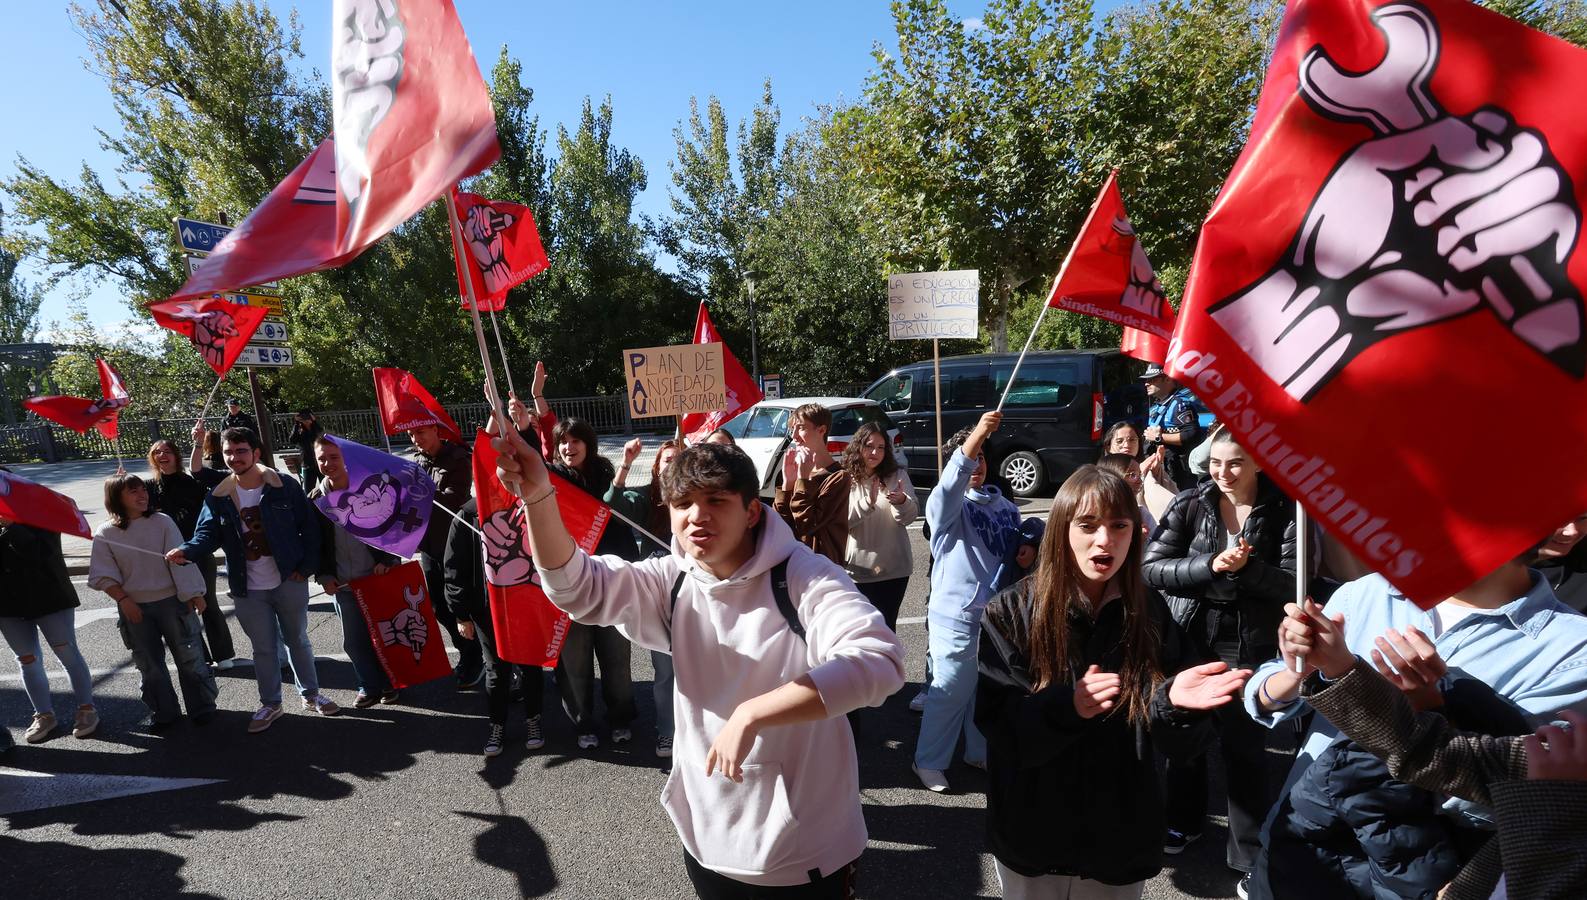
(146,578)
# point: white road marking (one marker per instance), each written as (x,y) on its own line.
(24,791)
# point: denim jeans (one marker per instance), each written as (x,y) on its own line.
(170,624)
(950,703)
(58,630)
(661,689)
(280,614)
(359,646)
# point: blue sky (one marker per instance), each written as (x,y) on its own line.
(650,57)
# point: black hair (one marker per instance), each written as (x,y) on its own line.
(957,441)
(241,436)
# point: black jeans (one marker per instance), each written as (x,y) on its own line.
(887,596)
(435,582)
(576,676)
(709,885)
(498,680)
(1251,793)
(216,641)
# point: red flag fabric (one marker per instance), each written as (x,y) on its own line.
(1107,274)
(742,391)
(503,245)
(411,118)
(1143,345)
(81,413)
(218,328)
(34,504)
(529,629)
(407,638)
(1393,262)
(405,404)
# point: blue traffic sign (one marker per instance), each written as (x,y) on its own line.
(199,237)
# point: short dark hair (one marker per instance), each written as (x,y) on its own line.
(957,441)
(815,414)
(114,504)
(323,439)
(710,467)
(241,436)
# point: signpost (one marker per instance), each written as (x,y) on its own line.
(675,381)
(934,305)
(271,331)
(198,237)
(265,355)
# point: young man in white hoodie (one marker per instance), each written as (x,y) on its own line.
(764,791)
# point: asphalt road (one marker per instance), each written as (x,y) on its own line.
(398,801)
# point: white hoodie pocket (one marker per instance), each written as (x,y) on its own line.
(745,827)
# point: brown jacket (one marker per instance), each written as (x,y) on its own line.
(817,509)
(1541,847)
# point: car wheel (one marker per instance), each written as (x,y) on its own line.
(1024,472)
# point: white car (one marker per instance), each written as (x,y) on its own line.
(762,431)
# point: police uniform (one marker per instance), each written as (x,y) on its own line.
(1178,415)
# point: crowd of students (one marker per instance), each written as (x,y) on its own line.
(1150,617)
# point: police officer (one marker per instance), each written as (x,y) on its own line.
(1173,426)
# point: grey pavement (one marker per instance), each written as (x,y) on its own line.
(398,801)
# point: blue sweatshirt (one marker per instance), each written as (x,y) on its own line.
(972,531)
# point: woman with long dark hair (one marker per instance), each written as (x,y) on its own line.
(181,496)
(646,507)
(577,448)
(1123,437)
(881,505)
(1224,557)
(1076,695)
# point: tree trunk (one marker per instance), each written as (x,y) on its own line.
(997,316)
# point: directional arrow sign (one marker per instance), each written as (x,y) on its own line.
(199,237)
(265,355)
(271,331)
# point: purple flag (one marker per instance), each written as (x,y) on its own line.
(387,502)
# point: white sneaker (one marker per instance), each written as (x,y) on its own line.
(933,779)
(919,703)
(41,728)
(262,719)
(321,704)
(588,742)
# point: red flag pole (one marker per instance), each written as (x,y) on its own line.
(492,396)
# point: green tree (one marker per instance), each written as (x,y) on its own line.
(19,323)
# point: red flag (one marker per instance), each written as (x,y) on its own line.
(529,629)
(405,405)
(402,625)
(1107,274)
(1393,256)
(218,329)
(503,244)
(411,116)
(81,413)
(34,504)
(1143,345)
(742,391)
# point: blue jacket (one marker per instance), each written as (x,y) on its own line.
(291,526)
(972,532)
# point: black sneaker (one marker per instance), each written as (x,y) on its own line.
(1176,842)
(1243,889)
(493,743)
(536,737)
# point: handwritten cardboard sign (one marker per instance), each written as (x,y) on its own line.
(675,381)
(933,305)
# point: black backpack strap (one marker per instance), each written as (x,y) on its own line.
(673,609)
(779,592)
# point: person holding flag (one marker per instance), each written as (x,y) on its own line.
(181,496)
(271,538)
(761,630)
(344,558)
(450,466)
(38,600)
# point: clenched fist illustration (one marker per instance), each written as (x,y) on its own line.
(210,331)
(407,627)
(483,231)
(507,560)
(1142,291)
(1434,217)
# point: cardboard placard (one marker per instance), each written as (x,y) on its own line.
(675,381)
(933,305)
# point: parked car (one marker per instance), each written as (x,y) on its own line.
(762,431)
(1053,419)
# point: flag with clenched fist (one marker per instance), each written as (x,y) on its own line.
(501,248)
(218,329)
(402,625)
(82,413)
(1388,289)
(529,629)
(1107,274)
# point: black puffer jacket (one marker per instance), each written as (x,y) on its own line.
(452,470)
(1179,563)
(1068,795)
(33,579)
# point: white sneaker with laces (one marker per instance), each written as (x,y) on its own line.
(321,704)
(262,719)
(933,779)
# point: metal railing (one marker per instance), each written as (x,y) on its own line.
(48,442)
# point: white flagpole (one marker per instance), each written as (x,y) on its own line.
(460,520)
(492,396)
(1302,567)
(506,367)
(212,391)
(1068,257)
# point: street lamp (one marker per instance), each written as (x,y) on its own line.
(754,342)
